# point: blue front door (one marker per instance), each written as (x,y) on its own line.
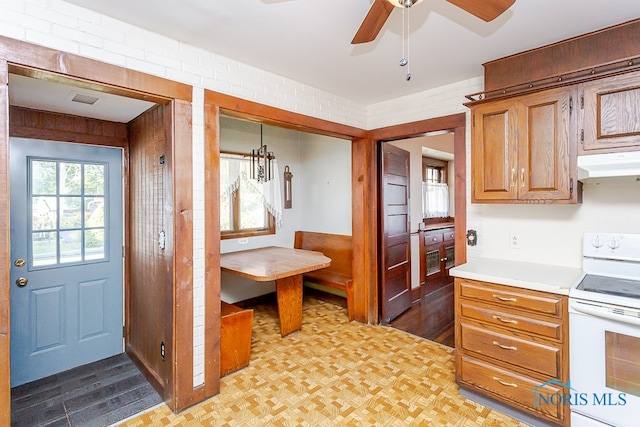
(66,255)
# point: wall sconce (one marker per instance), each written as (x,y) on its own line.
(261,169)
(287,187)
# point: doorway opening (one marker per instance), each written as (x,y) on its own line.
(36,102)
(435,230)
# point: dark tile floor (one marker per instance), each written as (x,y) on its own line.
(97,394)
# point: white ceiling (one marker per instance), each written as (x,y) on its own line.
(310,40)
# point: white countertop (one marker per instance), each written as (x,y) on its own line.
(539,277)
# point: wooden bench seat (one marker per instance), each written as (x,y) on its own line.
(235,337)
(339,274)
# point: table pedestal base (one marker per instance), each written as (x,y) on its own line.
(289,293)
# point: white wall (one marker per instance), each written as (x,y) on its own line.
(325,178)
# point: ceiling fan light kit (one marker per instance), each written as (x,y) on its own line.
(404,3)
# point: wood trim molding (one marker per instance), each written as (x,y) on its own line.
(5,253)
(212,252)
(48,64)
(564,57)
(252,111)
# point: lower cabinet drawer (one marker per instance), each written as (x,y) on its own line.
(484,313)
(539,357)
(529,393)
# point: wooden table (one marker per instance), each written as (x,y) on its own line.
(284,265)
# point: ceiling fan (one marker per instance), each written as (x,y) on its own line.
(487,10)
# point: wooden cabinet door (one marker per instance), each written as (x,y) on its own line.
(611,117)
(493,151)
(546,145)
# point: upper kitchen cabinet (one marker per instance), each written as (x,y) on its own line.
(611,114)
(524,148)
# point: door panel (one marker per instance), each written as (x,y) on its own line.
(395,286)
(66,224)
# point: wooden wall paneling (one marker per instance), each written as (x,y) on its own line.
(212,251)
(5,285)
(150,275)
(180,145)
(599,47)
(27,123)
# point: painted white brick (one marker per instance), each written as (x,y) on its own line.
(69,9)
(123,49)
(52,16)
(46,39)
(75,34)
(103,55)
(12,30)
(145,67)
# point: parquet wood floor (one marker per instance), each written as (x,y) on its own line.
(335,373)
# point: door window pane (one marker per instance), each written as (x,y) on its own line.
(68,208)
(94,178)
(45,248)
(70,178)
(43,177)
(71,214)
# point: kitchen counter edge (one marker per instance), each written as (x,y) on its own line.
(538,277)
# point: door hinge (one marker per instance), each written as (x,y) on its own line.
(570,105)
(123,330)
(123,255)
(162,351)
(570,187)
(582,102)
(581,136)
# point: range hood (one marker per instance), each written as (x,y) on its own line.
(610,165)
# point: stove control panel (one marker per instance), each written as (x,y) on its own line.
(616,246)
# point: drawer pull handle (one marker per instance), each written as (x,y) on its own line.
(500,319)
(505,383)
(505,298)
(505,347)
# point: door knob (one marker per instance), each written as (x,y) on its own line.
(19,262)
(22,281)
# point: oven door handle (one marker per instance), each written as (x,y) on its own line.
(603,312)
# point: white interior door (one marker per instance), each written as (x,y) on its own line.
(66,254)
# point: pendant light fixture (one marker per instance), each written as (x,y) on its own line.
(261,169)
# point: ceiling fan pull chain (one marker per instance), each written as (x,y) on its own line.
(408,44)
(403,61)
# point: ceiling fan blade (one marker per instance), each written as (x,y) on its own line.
(373,22)
(487,10)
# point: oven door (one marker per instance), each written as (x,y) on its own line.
(604,363)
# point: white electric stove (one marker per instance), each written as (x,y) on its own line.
(604,319)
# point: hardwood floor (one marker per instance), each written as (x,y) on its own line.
(431,317)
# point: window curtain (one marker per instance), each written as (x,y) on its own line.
(435,200)
(239,168)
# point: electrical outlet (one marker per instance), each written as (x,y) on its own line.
(514,241)
(243,241)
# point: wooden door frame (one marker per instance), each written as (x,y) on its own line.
(455,123)
(39,62)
